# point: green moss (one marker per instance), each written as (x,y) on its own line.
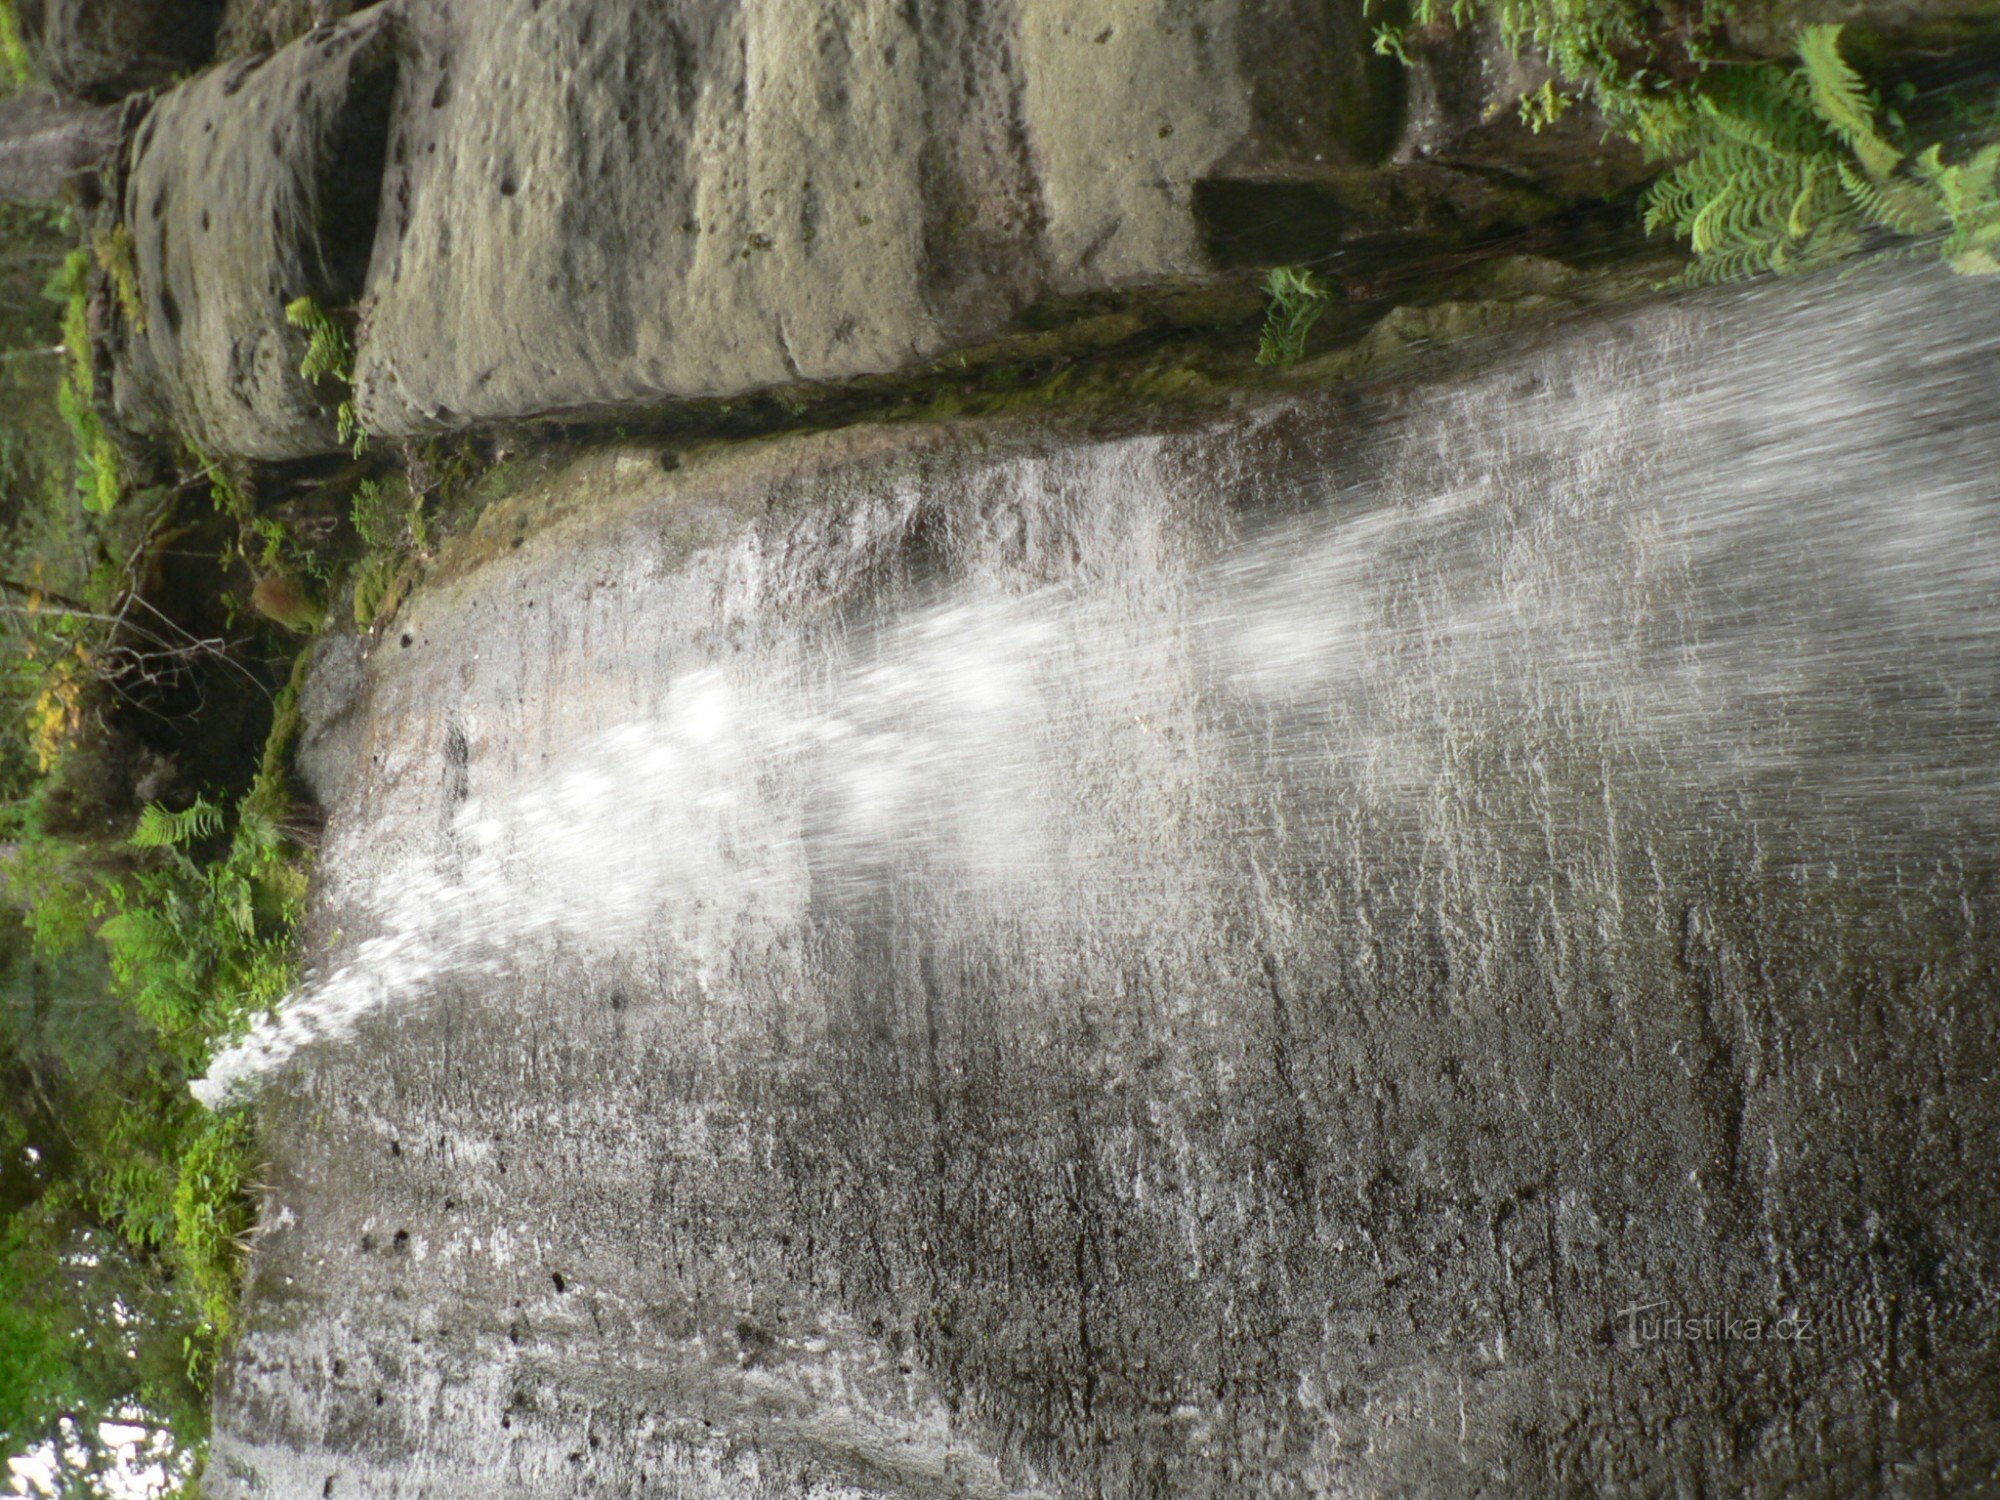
(270,795)
(117,257)
(17,67)
(374,586)
(214,1212)
(100,472)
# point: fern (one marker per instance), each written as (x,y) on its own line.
(329,351)
(374,518)
(390,522)
(1786,170)
(1843,101)
(1904,208)
(329,356)
(1544,107)
(1769,167)
(1969,203)
(1298,298)
(160,829)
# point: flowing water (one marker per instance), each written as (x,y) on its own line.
(1211,960)
(1744,578)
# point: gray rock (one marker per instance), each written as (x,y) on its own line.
(250,188)
(250,27)
(596,205)
(48,143)
(590,206)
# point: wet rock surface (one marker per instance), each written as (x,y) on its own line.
(1375,897)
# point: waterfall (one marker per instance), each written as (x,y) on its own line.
(1710,599)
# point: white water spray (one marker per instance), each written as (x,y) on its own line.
(1738,578)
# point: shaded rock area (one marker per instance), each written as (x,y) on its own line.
(48,143)
(105,49)
(1906,25)
(1250,955)
(250,27)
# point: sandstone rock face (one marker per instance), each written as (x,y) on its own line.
(592,206)
(588,204)
(1438,946)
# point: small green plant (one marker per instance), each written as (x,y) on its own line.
(375,521)
(117,256)
(329,356)
(213,1216)
(386,526)
(1393,41)
(160,829)
(1599,43)
(1545,106)
(389,519)
(1297,299)
(229,497)
(100,473)
(199,948)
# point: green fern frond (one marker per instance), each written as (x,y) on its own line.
(1899,207)
(1769,167)
(1738,263)
(1389,42)
(1758,135)
(329,351)
(349,424)
(1967,198)
(329,356)
(257,837)
(1843,100)
(160,829)
(1544,107)
(1298,298)
(142,936)
(1806,205)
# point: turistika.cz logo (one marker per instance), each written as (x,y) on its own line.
(1655,1323)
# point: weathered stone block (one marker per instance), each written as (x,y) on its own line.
(601,203)
(250,188)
